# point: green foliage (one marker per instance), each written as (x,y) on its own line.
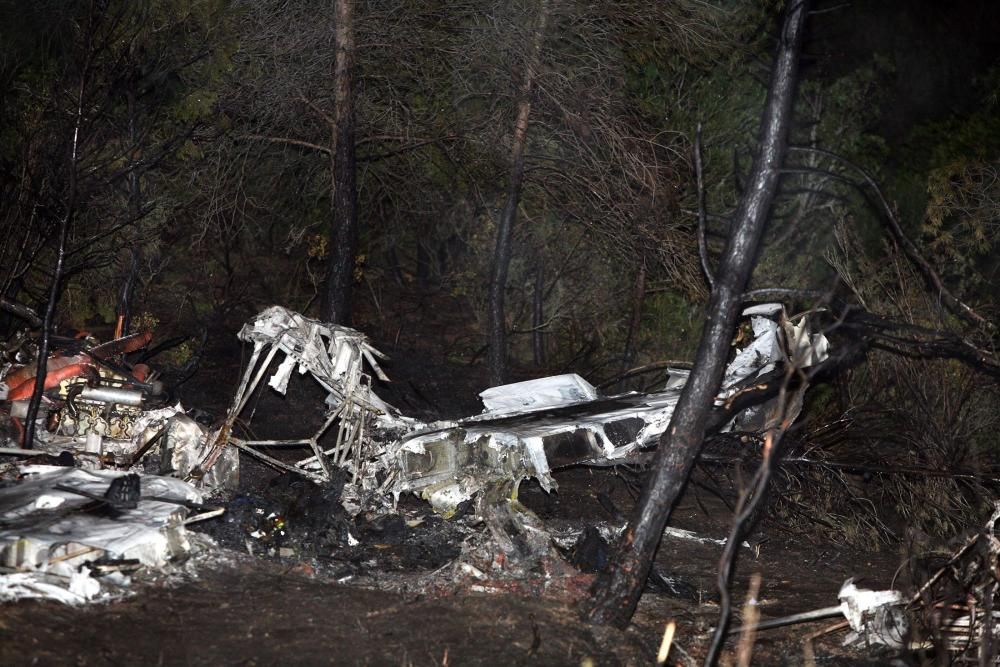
(672,325)
(935,144)
(962,224)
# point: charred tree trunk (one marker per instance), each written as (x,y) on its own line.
(618,589)
(497,323)
(344,195)
(124,323)
(65,223)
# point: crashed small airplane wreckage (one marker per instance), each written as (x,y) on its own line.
(527,430)
(59,524)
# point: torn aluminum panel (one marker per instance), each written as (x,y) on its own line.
(51,528)
(533,395)
(181,444)
(337,358)
(504,446)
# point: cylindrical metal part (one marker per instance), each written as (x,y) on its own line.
(116,395)
(94,443)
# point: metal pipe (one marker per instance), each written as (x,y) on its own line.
(116,395)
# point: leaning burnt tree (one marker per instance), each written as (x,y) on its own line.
(618,589)
(497,323)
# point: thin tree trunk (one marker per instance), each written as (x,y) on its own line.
(618,589)
(538,316)
(65,222)
(635,321)
(344,195)
(134,208)
(505,225)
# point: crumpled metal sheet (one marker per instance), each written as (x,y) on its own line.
(334,356)
(560,424)
(47,533)
(181,443)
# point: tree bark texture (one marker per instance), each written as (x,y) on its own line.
(618,589)
(343,175)
(497,323)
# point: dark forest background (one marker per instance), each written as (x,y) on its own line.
(171,164)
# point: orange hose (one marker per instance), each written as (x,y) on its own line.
(123,345)
(58,369)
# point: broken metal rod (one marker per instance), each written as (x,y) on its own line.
(278,443)
(17,451)
(281,465)
(802,617)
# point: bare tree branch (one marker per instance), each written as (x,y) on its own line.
(702,222)
(290,142)
(957,307)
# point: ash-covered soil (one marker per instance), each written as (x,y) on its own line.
(318,587)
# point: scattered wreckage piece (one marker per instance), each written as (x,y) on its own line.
(951,614)
(64,531)
(531,428)
(955,607)
(876,618)
(336,357)
(106,412)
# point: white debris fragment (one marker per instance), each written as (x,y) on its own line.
(26,585)
(692,536)
(538,394)
(760,356)
(48,543)
(876,617)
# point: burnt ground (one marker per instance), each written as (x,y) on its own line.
(301,591)
(396,606)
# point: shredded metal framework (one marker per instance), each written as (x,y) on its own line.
(336,357)
(527,430)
